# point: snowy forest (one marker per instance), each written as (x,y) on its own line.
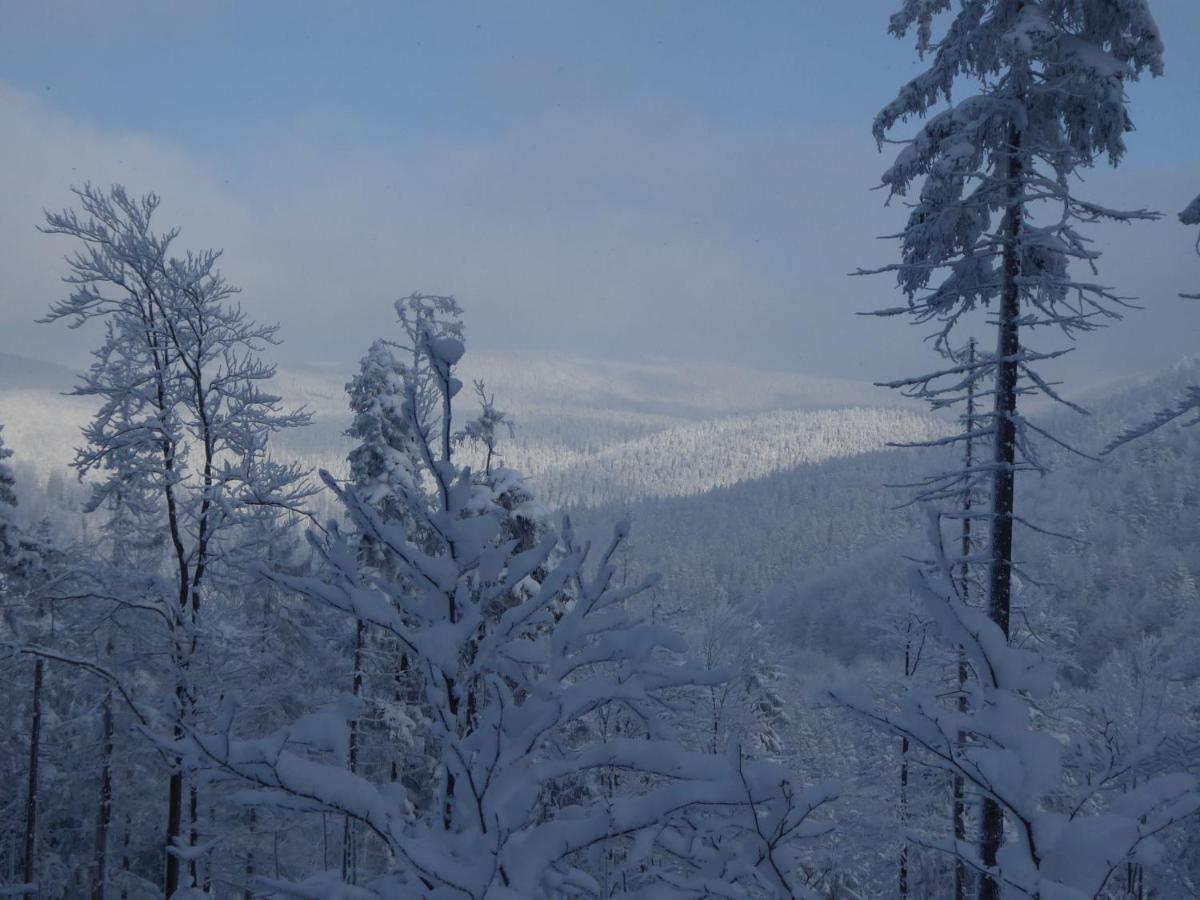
(459,625)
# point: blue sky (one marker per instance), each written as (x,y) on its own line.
(219,76)
(619,178)
(405,71)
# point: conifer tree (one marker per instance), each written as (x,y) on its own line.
(521,654)
(1074,828)
(996,223)
(8,503)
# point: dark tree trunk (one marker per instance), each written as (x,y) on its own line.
(248,892)
(174,818)
(126,837)
(104,808)
(31,798)
(1008,345)
(961,876)
(402,692)
(911,661)
(904,817)
(349,843)
(154,341)
(1135,881)
(193,829)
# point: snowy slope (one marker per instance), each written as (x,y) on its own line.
(824,542)
(589,431)
(601,431)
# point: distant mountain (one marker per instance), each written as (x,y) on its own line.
(534,386)
(697,457)
(823,544)
(592,431)
(677,389)
(588,430)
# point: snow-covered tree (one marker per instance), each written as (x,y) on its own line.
(182,427)
(1070,836)
(8,501)
(382,460)
(997,218)
(11,566)
(745,709)
(521,653)
(38,785)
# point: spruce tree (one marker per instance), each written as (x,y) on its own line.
(996,223)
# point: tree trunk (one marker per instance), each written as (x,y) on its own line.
(904,817)
(398,687)
(31,799)
(910,669)
(154,342)
(248,893)
(961,878)
(1007,347)
(104,808)
(193,836)
(125,840)
(349,843)
(174,818)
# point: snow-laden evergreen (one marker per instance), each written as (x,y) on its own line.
(998,219)
(8,502)
(545,687)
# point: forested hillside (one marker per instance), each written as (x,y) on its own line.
(1114,597)
(812,551)
(825,543)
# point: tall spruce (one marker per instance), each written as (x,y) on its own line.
(996,222)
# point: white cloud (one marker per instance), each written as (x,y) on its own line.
(628,230)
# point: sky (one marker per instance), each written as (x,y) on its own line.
(685,179)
